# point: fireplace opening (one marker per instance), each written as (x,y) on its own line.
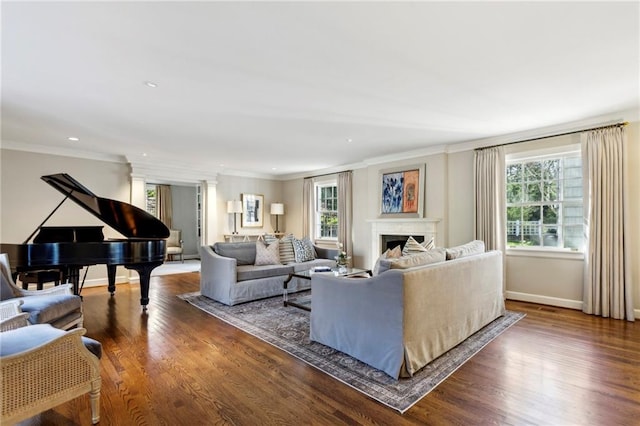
(392,241)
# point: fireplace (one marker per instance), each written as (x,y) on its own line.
(399,229)
(391,241)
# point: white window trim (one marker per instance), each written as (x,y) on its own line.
(316,184)
(543,252)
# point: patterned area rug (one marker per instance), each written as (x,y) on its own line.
(287,328)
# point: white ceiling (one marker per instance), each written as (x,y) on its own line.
(283,88)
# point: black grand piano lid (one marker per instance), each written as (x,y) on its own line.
(125,218)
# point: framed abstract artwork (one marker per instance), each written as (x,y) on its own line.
(402,192)
(252,210)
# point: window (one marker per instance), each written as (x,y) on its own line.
(544,201)
(326,218)
(152,200)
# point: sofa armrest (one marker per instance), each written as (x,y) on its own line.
(217,275)
(325,253)
(362,317)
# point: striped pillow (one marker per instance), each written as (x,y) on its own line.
(412,247)
(286,250)
(429,245)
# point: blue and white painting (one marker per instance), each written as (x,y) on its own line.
(392,184)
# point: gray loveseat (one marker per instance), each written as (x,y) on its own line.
(228,273)
(402,319)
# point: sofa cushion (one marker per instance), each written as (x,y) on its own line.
(303,250)
(244,253)
(412,247)
(468,249)
(425,258)
(48,308)
(267,254)
(287,254)
(252,272)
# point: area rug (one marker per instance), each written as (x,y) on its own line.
(287,328)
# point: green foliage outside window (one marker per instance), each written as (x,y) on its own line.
(544,202)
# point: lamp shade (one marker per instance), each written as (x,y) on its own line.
(234,206)
(277,208)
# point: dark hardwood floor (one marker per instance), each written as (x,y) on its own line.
(176,365)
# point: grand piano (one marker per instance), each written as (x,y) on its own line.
(70,248)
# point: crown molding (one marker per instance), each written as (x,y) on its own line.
(63,152)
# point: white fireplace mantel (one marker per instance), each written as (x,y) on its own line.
(396,226)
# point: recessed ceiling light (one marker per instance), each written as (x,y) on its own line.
(274,168)
(144,154)
(73,138)
(150,84)
(349,140)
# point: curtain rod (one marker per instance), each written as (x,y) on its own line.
(624,123)
(327,174)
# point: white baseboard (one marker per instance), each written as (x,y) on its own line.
(552,301)
(544,300)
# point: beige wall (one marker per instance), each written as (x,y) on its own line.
(26,200)
(232,187)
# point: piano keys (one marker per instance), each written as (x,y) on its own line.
(70,248)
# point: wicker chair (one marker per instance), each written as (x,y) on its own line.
(42,367)
(57,306)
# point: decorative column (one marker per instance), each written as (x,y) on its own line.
(209,212)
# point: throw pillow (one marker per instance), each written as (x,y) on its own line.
(468,249)
(376,267)
(395,252)
(303,250)
(429,245)
(420,259)
(269,238)
(287,254)
(267,254)
(412,247)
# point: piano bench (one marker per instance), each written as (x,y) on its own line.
(39,278)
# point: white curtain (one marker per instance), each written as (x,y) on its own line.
(345,211)
(489,197)
(307,207)
(607,277)
(163,200)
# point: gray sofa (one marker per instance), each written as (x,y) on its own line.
(402,319)
(228,273)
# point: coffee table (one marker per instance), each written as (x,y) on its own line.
(304,302)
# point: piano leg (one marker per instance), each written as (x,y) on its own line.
(71,274)
(111,276)
(144,270)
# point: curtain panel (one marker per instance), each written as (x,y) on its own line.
(345,211)
(163,200)
(307,207)
(607,276)
(489,197)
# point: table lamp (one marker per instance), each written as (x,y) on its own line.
(277,209)
(234,207)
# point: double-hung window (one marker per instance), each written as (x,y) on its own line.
(326,214)
(151,199)
(544,201)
